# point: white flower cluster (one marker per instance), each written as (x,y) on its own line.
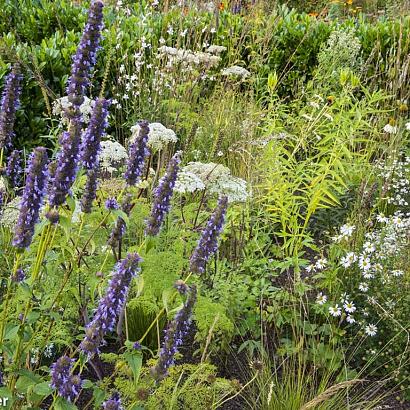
(10,213)
(180,55)
(397,176)
(159,136)
(346,231)
(390,129)
(62,104)
(236,71)
(216,178)
(112,156)
(214,49)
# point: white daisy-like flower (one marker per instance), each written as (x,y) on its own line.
(378,267)
(363,287)
(347,230)
(310,268)
(321,263)
(350,319)
(397,273)
(368,275)
(344,298)
(370,330)
(349,307)
(381,218)
(321,299)
(335,310)
(364,263)
(407,126)
(390,129)
(348,260)
(368,247)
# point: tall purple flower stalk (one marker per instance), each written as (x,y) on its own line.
(114,403)
(90,191)
(208,243)
(120,226)
(90,146)
(137,155)
(10,102)
(67,163)
(14,169)
(85,57)
(33,195)
(67,385)
(162,197)
(175,332)
(111,305)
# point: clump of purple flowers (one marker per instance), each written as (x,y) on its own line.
(18,276)
(162,197)
(112,204)
(67,159)
(67,385)
(10,102)
(138,152)
(114,403)
(208,243)
(33,195)
(111,305)
(175,332)
(90,191)
(90,146)
(85,56)
(14,169)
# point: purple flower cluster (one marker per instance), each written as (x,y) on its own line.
(67,159)
(112,204)
(138,152)
(10,102)
(90,146)
(162,197)
(111,305)
(90,190)
(85,56)
(33,195)
(175,332)
(114,403)
(120,226)
(18,276)
(208,243)
(67,385)
(14,169)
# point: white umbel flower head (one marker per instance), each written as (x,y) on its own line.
(236,71)
(112,156)
(159,136)
(62,104)
(214,49)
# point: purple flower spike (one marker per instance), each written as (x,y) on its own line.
(111,305)
(67,163)
(67,385)
(114,403)
(162,197)
(90,191)
(208,243)
(10,102)
(33,195)
(138,152)
(18,276)
(14,169)
(175,332)
(90,146)
(120,226)
(112,204)
(85,57)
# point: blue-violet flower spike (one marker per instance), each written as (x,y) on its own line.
(14,169)
(67,385)
(32,199)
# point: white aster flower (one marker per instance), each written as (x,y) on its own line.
(348,260)
(390,129)
(349,307)
(363,287)
(321,263)
(397,273)
(321,299)
(347,230)
(310,268)
(364,263)
(370,330)
(350,319)
(335,310)
(368,247)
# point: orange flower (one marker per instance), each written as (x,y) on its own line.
(349,2)
(313,14)
(221,6)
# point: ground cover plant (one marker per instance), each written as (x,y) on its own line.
(204,205)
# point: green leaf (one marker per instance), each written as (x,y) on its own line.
(43,389)
(134,360)
(62,404)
